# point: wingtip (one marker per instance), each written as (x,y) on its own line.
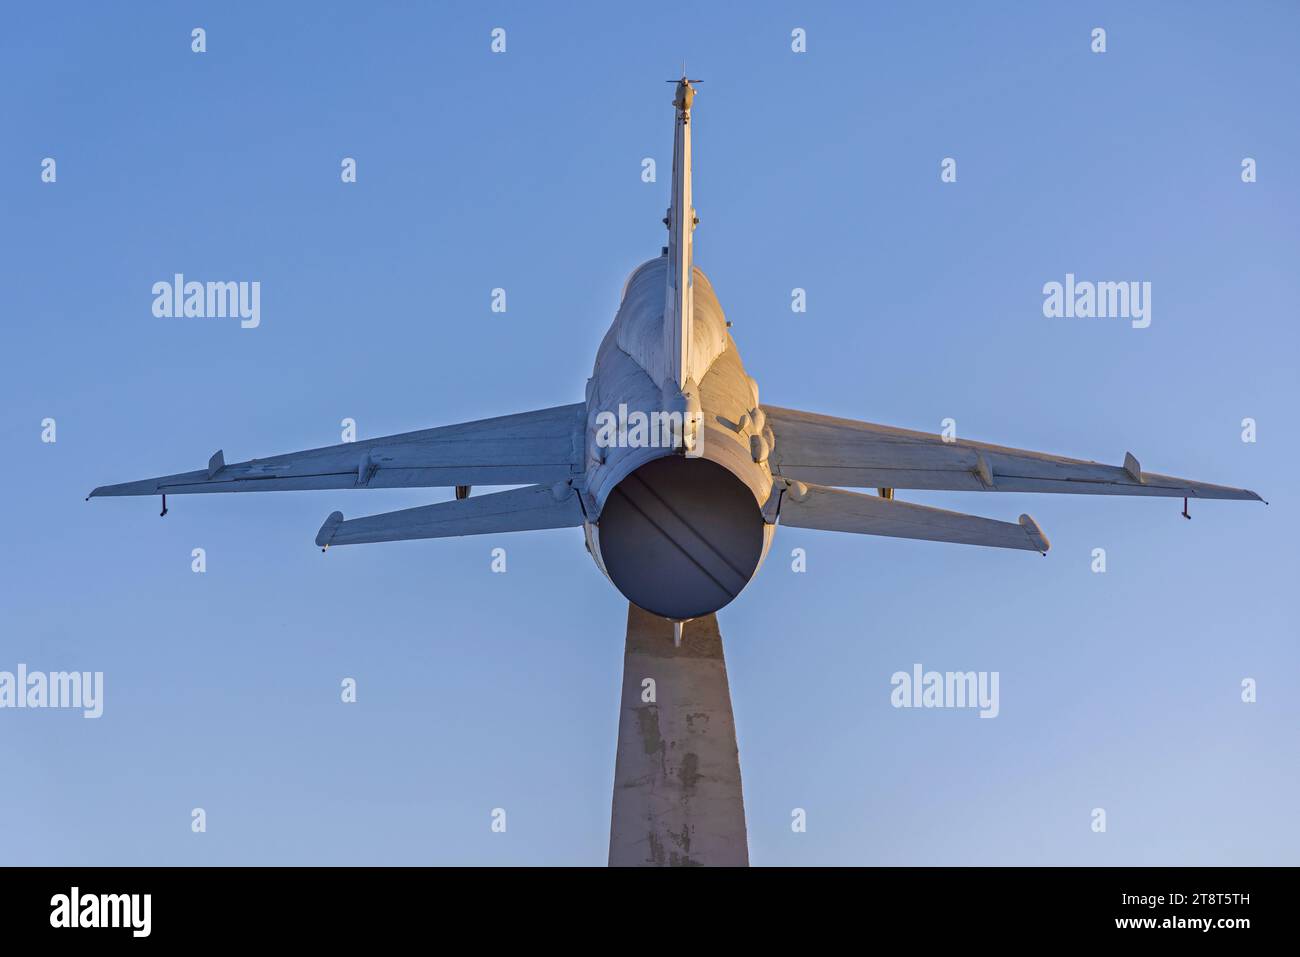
(1035,533)
(142,487)
(326,534)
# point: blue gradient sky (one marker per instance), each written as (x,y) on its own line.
(523,171)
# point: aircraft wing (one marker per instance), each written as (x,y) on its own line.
(525,448)
(515,510)
(843,452)
(835,510)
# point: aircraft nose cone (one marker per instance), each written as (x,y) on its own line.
(681,537)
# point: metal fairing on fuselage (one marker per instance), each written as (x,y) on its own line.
(678,534)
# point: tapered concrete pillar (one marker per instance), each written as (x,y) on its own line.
(677,794)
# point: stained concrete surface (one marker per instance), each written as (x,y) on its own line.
(677,790)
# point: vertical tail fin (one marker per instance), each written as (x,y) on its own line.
(679,305)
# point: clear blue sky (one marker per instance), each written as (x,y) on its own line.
(522,171)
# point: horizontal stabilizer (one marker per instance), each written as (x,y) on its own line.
(516,510)
(835,510)
(847,453)
(525,448)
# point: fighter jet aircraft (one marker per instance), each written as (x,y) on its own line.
(679,477)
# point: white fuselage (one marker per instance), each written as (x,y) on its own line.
(699,518)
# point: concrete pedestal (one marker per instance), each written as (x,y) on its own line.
(677,794)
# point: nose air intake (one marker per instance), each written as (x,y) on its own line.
(681,537)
